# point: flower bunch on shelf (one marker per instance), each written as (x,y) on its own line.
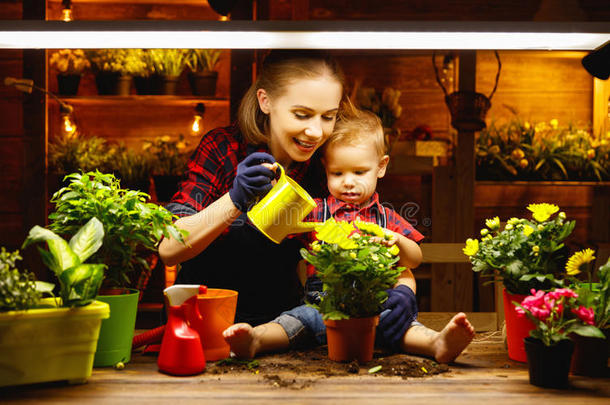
(124,61)
(385,104)
(557,314)
(202,60)
(526,253)
(69,61)
(520,150)
(167,62)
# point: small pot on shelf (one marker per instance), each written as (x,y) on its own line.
(67,85)
(203,83)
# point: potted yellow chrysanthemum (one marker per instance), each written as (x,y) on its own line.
(593,292)
(525,254)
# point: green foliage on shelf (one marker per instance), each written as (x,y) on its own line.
(203,60)
(167,62)
(123,61)
(167,156)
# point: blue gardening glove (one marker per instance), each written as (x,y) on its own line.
(252,180)
(403,310)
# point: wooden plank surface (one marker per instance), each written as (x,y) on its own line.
(482,373)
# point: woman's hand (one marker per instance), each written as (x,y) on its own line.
(252,181)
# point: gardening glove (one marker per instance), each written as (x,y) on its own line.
(252,180)
(313,290)
(403,310)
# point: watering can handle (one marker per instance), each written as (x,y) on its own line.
(438,80)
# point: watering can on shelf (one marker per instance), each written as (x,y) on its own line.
(197,317)
(281,212)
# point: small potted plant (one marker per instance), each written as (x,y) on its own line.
(588,352)
(113,69)
(67,327)
(70,65)
(167,159)
(131,167)
(386,105)
(355,271)
(556,314)
(69,154)
(524,254)
(133,229)
(169,64)
(203,75)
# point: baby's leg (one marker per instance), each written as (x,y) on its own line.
(247,341)
(446,345)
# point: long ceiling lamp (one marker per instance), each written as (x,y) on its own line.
(374,35)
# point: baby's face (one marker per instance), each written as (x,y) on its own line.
(352,171)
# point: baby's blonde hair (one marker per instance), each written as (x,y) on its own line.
(355,126)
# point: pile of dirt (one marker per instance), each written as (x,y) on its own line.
(300,365)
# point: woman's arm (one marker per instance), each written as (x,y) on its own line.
(203,227)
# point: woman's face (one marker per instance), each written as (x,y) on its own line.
(301,118)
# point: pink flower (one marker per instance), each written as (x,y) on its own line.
(562,292)
(587,315)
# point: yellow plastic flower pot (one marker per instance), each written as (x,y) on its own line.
(50,344)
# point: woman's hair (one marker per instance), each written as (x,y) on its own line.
(356,126)
(280,69)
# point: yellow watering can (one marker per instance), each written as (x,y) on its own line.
(281,211)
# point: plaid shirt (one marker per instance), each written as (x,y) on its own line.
(213,166)
(343,211)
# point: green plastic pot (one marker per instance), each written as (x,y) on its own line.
(116,334)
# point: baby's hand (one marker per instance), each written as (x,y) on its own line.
(388,240)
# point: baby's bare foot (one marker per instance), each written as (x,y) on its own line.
(453,339)
(242,340)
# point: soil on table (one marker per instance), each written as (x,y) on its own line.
(300,369)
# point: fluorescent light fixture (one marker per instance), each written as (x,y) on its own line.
(382,35)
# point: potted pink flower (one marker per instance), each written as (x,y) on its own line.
(556,314)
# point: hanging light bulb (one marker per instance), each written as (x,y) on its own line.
(68,126)
(197,125)
(66,12)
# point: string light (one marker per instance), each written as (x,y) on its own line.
(197,124)
(66,12)
(68,126)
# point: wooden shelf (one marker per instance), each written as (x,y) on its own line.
(145,100)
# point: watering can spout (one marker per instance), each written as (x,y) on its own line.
(302,227)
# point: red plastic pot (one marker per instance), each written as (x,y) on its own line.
(517,327)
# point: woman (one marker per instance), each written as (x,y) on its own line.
(285,116)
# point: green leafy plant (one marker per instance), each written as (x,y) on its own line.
(167,156)
(202,60)
(133,228)
(68,154)
(354,267)
(17,288)
(130,166)
(167,62)
(527,253)
(79,281)
(519,150)
(556,315)
(123,61)
(69,61)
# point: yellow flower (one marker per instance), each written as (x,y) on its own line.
(472,247)
(527,125)
(513,221)
(578,259)
(508,227)
(332,231)
(370,228)
(488,237)
(542,212)
(590,153)
(517,154)
(352,255)
(536,249)
(554,123)
(394,250)
(484,231)
(493,223)
(527,230)
(523,163)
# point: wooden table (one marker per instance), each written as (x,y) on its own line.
(482,374)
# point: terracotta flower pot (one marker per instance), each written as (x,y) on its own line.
(351,339)
(517,328)
(549,366)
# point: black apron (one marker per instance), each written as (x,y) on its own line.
(263,272)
